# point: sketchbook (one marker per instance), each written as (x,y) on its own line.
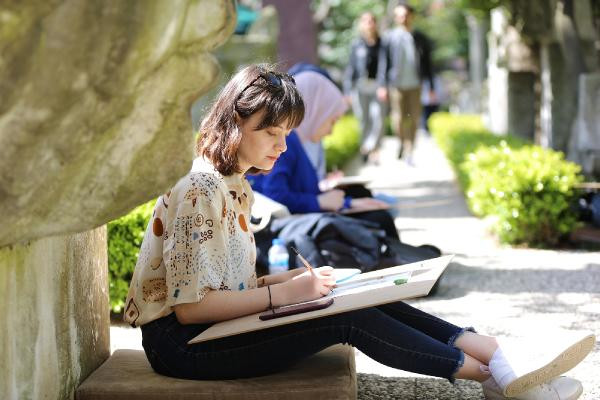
(359,291)
(365,209)
(350,180)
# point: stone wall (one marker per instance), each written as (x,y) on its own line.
(94,117)
(54,314)
(94,120)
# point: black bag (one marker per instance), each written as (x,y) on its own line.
(338,241)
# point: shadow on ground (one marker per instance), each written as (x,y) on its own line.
(459,280)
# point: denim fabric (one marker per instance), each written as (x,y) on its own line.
(396,335)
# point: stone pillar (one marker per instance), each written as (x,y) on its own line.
(55,314)
(570,53)
(94,120)
(584,146)
(521,104)
(512,68)
(559,98)
(477,57)
(497,73)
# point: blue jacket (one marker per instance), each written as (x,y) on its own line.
(293,180)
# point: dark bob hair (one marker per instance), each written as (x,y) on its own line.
(255,88)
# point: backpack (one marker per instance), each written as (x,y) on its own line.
(338,241)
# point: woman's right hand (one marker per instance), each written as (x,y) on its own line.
(307,286)
(331,200)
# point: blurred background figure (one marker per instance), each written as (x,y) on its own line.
(361,85)
(430,103)
(401,72)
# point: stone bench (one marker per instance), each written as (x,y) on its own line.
(127,375)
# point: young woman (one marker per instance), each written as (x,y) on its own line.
(360,82)
(196,267)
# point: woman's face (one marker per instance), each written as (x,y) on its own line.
(324,129)
(367,25)
(260,148)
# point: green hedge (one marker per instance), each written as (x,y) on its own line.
(124,240)
(343,143)
(526,190)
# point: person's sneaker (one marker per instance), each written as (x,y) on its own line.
(530,374)
(561,388)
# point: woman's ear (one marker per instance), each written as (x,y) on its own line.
(238,119)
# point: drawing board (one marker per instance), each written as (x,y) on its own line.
(363,290)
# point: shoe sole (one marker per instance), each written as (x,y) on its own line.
(565,361)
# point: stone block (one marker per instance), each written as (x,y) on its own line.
(127,375)
(55,315)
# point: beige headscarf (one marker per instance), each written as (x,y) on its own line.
(322,100)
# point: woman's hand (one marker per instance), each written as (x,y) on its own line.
(332,200)
(368,203)
(287,275)
(309,285)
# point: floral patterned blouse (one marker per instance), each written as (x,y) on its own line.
(197,240)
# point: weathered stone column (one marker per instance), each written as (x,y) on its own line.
(94,119)
(512,68)
(584,145)
(477,57)
(55,315)
(569,53)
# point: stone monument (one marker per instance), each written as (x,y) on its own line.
(94,120)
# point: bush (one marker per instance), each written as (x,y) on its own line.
(526,190)
(343,143)
(125,237)
(529,192)
(461,135)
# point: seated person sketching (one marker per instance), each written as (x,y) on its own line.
(294,180)
(197,266)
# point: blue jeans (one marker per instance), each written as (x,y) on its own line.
(396,335)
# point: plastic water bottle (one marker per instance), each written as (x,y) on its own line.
(278,257)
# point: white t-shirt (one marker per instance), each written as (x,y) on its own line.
(197,240)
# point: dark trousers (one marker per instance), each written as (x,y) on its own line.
(396,335)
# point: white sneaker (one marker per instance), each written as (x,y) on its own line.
(561,388)
(553,364)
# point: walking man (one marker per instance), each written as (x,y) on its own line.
(404,65)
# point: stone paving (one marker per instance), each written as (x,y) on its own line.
(502,291)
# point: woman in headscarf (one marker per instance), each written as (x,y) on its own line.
(294,180)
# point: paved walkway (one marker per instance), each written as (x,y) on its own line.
(499,290)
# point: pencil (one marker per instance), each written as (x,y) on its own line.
(306,263)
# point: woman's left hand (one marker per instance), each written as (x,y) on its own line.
(368,203)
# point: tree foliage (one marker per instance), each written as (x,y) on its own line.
(442,21)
